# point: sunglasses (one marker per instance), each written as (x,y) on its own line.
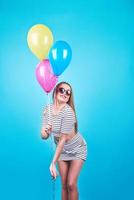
(63,91)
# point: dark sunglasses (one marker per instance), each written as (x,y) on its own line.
(63,91)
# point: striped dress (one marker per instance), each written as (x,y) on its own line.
(63,123)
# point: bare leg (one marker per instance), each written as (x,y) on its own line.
(63,167)
(74,170)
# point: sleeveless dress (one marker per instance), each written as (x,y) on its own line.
(63,123)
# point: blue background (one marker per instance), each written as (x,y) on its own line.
(102,76)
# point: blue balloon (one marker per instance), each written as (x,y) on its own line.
(60,56)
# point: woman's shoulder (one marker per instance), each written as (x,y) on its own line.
(69,113)
(46,107)
(69,109)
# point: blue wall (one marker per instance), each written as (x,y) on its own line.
(102,76)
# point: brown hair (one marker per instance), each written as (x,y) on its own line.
(70,101)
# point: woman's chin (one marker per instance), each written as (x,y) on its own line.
(62,100)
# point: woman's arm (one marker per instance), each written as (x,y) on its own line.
(45,127)
(46,131)
(59,148)
(44,134)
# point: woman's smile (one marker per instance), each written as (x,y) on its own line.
(63,96)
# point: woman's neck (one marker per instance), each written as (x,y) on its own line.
(59,105)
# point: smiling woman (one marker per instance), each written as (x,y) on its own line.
(101,35)
(71,150)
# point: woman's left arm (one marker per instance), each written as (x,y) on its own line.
(59,148)
(66,127)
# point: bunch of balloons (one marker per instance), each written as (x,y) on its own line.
(54,58)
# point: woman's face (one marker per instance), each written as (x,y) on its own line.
(63,93)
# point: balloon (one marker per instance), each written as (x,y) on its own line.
(45,76)
(40,40)
(60,56)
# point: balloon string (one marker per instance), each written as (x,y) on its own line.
(52,146)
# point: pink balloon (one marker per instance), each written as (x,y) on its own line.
(45,75)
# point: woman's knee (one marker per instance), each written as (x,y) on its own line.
(64,186)
(71,185)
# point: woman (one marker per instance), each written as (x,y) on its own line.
(59,118)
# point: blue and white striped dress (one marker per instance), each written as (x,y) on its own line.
(64,123)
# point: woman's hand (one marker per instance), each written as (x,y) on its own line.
(48,128)
(46,131)
(53,170)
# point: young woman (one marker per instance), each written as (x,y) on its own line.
(59,118)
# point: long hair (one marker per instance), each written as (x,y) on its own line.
(70,101)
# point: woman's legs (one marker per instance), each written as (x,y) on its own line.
(63,167)
(73,173)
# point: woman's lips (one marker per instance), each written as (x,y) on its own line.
(64,97)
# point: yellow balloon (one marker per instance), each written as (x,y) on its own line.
(40,40)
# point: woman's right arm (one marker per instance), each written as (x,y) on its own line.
(46,128)
(46,131)
(44,134)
